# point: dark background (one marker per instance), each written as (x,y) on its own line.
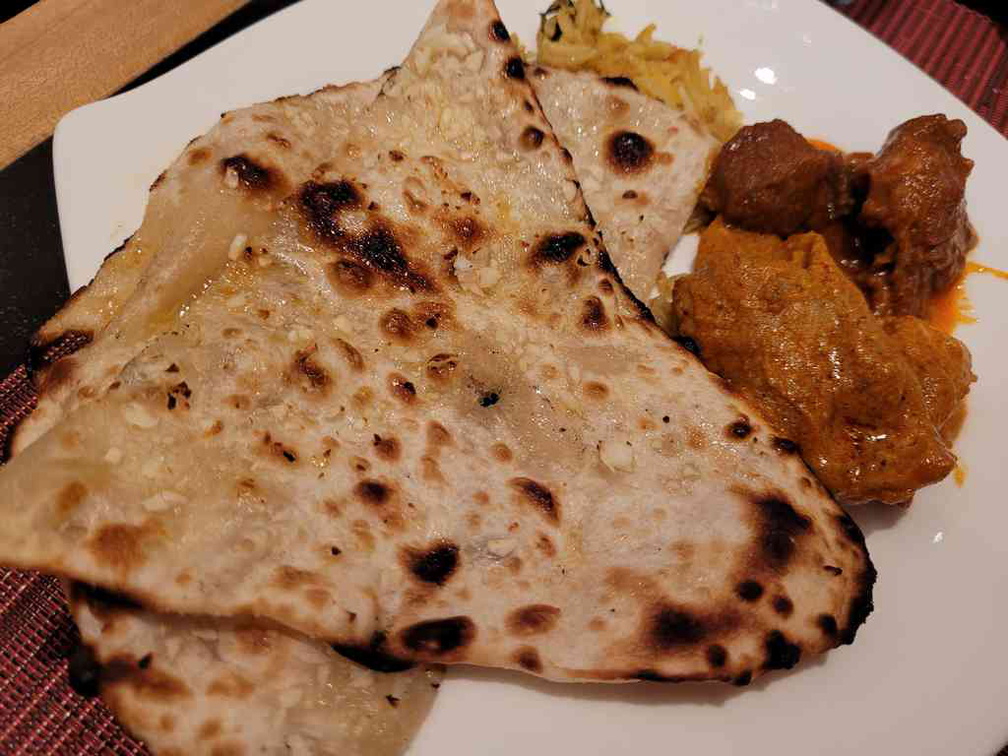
(32,276)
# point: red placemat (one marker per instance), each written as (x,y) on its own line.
(962,50)
(40,714)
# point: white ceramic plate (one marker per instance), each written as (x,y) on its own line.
(929,671)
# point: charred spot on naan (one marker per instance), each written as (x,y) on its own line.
(290,578)
(556,249)
(374,493)
(749,590)
(375,249)
(671,628)
(322,204)
(387,447)
(398,326)
(629,152)
(381,498)
(778,527)
(783,606)
(464,230)
(438,435)
(351,354)
(499,32)
(373,654)
(252,176)
(280,141)
(210,729)
(617,106)
(501,452)
(278,450)
(828,624)
(739,429)
(308,373)
(531,138)
(861,605)
(349,277)
(514,68)
(535,619)
(179,395)
(620,81)
(402,388)
(605,264)
(529,492)
(439,639)
(546,546)
(434,314)
(784,446)
(434,564)
(528,659)
(442,367)
(717,655)
(593,315)
(780,652)
(198,155)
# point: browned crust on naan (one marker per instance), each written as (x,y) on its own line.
(612,511)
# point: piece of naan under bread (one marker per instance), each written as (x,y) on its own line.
(239,687)
(424,418)
(209,686)
(641,164)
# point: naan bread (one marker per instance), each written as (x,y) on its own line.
(202,685)
(196,210)
(210,686)
(641,165)
(423,418)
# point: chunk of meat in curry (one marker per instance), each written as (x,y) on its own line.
(896,222)
(916,192)
(769,178)
(863,397)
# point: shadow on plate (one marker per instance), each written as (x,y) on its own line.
(872,517)
(640,693)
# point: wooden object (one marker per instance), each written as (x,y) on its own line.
(60,54)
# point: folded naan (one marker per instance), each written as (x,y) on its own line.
(640,162)
(198,211)
(208,685)
(416,413)
(191,686)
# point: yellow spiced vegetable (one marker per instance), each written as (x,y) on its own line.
(570,36)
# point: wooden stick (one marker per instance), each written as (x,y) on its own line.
(60,54)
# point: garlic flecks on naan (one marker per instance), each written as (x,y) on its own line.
(641,165)
(200,685)
(453,419)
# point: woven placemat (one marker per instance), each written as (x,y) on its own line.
(965,52)
(41,714)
